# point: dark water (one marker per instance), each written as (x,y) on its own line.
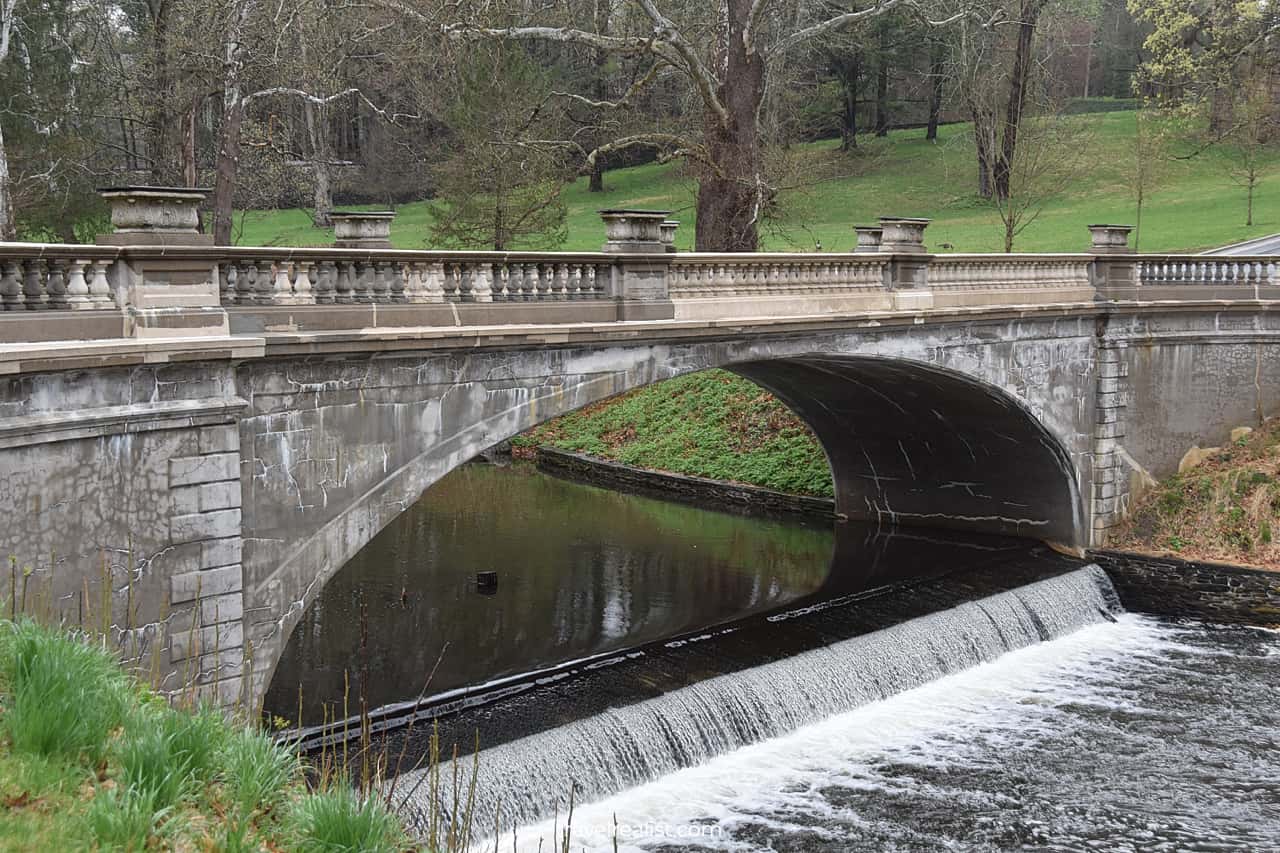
(581,571)
(1127,735)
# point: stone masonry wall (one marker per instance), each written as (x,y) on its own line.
(1215,592)
(124,499)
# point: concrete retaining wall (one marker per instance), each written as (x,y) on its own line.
(698,491)
(1215,592)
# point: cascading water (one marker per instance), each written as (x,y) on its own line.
(599,755)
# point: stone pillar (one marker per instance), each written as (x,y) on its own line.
(869,238)
(638,280)
(169,281)
(907,274)
(667,231)
(363,229)
(1113,271)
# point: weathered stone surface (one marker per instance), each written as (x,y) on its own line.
(1196,457)
(1043,422)
(1240,432)
(1216,592)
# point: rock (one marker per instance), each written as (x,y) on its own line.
(1240,432)
(1195,456)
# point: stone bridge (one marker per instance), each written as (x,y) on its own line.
(194,439)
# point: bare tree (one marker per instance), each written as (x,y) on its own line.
(725,53)
(1052,153)
(8,229)
(1251,135)
(1149,155)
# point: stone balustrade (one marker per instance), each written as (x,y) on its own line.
(1204,270)
(337,277)
(1008,272)
(158,277)
(710,275)
(44,276)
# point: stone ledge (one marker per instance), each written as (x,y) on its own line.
(49,427)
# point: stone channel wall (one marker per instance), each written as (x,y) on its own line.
(1216,592)
(698,491)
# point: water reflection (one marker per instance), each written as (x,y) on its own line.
(580,570)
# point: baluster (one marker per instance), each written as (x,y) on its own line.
(265,285)
(304,283)
(77,287)
(593,281)
(326,283)
(99,287)
(281,286)
(398,277)
(380,286)
(415,288)
(1269,273)
(502,282)
(227,283)
(433,281)
(55,286)
(573,286)
(33,285)
(365,274)
(482,282)
(560,282)
(246,281)
(344,284)
(11,286)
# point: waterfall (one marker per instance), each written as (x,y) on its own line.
(632,744)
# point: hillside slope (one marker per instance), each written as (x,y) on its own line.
(1195,205)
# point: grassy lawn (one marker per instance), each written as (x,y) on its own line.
(1195,205)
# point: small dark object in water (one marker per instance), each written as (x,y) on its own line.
(487,582)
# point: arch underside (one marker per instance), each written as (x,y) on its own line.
(913,445)
(908,444)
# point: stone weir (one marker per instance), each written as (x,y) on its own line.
(880,578)
(611,724)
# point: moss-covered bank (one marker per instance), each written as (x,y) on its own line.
(711,424)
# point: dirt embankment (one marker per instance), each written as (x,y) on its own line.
(1226,508)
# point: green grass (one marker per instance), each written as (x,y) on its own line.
(709,424)
(89,759)
(1194,206)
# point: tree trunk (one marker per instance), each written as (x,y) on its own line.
(166,124)
(882,91)
(1019,80)
(8,228)
(601,89)
(935,92)
(321,165)
(848,71)
(731,187)
(224,184)
(190,171)
(982,145)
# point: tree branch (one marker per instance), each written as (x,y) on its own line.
(666,33)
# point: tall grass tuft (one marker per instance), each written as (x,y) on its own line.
(65,697)
(169,754)
(124,819)
(340,819)
(255,771)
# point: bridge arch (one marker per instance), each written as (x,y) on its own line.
(908,441)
